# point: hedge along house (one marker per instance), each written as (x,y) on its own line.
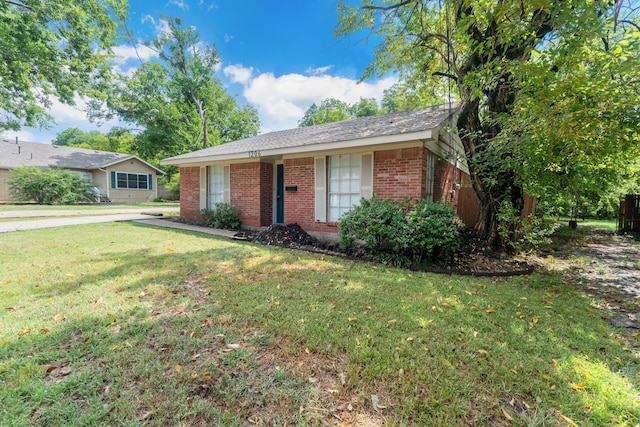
(313,175)
(121,178)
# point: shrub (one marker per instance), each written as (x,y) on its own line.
(173,186)
(50,186)
(433,231)
(402,233)
(225,215)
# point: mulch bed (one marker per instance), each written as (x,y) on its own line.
(471,259)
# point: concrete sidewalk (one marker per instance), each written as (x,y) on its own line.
(27,213)
(74,218)
(6,227)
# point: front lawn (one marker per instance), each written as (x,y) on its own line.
(133,325)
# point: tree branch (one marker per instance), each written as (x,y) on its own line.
(13,3)
(393,6)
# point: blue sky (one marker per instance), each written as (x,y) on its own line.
(278,56)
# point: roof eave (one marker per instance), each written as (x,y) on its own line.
(299,149)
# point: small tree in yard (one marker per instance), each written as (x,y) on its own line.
(49,186)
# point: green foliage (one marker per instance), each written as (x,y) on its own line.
(178,101)
(225,215)
(54,49)
(402,233)
(117,140)
(173,186)
(49,186)
(523,234)
(548,90)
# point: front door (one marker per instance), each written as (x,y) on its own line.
(280,194)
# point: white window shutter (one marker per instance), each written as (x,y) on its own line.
(203,187)
(321,189)
(366,176)
(227,184)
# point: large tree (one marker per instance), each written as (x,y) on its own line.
(177,102)
(53,49)
(486,53)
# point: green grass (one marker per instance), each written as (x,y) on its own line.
(141,326)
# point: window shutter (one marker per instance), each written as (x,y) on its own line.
(227,184)
(113,179)
(203,187)
(150,181)
(366,176)
(320,189)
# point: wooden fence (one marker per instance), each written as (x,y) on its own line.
(468,208)
(629,214)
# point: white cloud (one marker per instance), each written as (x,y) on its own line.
(282,100)
(238,73)
(227,38)
(319,70)
(180,3)
(140,51)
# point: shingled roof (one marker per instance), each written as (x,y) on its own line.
(22,153)
(403,123)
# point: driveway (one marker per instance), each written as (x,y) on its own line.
(75,217)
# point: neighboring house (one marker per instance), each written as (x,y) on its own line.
(119,177)
(312,175)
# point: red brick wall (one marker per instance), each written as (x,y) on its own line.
(252,192)
(299,206)
(189,192)
(399,174)
(446,176)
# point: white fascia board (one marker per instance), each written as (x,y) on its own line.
(115,162)
(298,149)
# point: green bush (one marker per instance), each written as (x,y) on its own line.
(173,186)
(225,215)
(402,233)
(49,186)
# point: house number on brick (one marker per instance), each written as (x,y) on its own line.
(254,153)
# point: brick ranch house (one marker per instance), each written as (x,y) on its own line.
(312,175)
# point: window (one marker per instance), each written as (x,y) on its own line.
(344,184)
(430,175)
(127,180)
(216,186)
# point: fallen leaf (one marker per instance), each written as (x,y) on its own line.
(568,420)
(491,310)
(343,380)
(546,377)
(535,319)
(352,319)
(506,415)
(374,401)
(25,332)
(178,368)
(44,330)
(115,329)
(51,368)
(234,346)
(481,351)
(391,322)
(579,386)
(446,361)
